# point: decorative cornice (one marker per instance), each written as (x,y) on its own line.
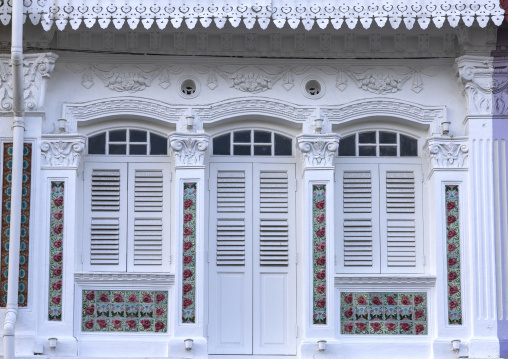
(189,148)
(370,280)
(319,12)
(139,278)
(318,151)
(447,152)
(37,70)
(485,85)
(61,151)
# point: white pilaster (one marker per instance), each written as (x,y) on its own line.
(481,88)
(318,152)
(189,152)
(60,160)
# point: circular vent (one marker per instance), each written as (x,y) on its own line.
(313,87)
(188,88)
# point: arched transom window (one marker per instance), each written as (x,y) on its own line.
(252,143)
(127,142)
(378,144)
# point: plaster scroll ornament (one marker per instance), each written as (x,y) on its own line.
(62,153)
(189,149)
(125,81)
(447,154)
(485,85)
(318,150)
(37,70)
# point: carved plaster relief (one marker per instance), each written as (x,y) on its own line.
(61,151)
(37,70)
(447,153)
(120,80)
(318,150)
(189,149)
(485,85)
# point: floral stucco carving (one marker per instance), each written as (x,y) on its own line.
(318,150)
(189,148)
(447,153)
(62,151)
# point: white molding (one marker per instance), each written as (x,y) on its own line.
(352,281)
(127,280)
(62,151)
(320,12)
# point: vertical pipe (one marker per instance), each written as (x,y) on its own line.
(18,129)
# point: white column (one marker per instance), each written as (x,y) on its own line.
(448,159)
(60,161)
(318,153)
(189,151)
(477,75)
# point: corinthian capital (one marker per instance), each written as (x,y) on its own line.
(189,148)
(62,151)
(484,85)
(318,151)
(445,153)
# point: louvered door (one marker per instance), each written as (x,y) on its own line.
(148,219)
(401,219)
(274,263)
(358,222)
(230,259)
(105,221)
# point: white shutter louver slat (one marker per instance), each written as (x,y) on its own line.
(148,192)
(357,195)
(104,241)
(230,242)
(358,243)
(148,241)
(400,192)
(231,191)
(273,222)
(105,190)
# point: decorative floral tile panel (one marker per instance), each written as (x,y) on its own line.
(56,223)
(453,255)
(124,311)
(189,253)
(319,253)
(383,313)
(6,222)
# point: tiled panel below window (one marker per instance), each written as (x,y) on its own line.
(383,313)
(124,311)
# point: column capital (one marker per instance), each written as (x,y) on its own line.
(189,148)
(318,150)
(484,82)
(62,151)
(446,153)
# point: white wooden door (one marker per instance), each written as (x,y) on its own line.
(252,259)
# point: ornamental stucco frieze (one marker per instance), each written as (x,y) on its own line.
(447,153)
(189,148)
(322,13)
(319,150)
(484,85)
(37,70)
(61,151)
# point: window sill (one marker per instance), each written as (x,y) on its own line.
(110,277)
(385,279)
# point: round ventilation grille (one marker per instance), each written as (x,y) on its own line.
(188,88)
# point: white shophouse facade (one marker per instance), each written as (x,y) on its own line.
(259,178)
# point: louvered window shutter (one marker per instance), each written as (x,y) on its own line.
(273,184)
(401,219)
(358,224)
(106,220)
(148,219)
(231,217)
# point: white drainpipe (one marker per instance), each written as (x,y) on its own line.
(18,134)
